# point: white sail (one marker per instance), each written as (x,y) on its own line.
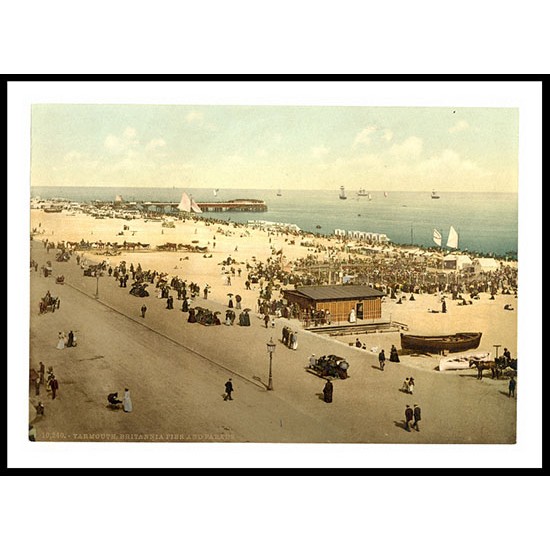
(452,241)
(385,194)
(369,196)
(185,203)
(195,207)
(216,192)
(437,237)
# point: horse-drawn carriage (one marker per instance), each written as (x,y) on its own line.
(49,303)
(63,256)
(330,366)
(499,366)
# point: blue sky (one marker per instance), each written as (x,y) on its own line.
(385,148)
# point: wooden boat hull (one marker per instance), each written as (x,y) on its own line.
(452,343)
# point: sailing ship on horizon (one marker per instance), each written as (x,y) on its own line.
(342,192)
(435,195)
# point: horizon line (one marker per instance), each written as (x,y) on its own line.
(264,188)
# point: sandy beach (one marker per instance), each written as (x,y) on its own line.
(176,371)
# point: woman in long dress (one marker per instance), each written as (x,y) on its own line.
(352,317)
(127,401)
(60,341)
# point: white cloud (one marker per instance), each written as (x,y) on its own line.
(450,163)
(130,133)
(409,149)
(194,116)
(112,143)
(363,137)
(460,126)
(154,144)
(320,151)
(123,143)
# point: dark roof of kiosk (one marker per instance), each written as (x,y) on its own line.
(337,292)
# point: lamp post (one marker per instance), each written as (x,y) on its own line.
(97,285)
(270,350)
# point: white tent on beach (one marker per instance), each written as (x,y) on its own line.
(456,261)
(485,264)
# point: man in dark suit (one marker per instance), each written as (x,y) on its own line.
(228,391)
(417,413)
(409,415)
(382,359)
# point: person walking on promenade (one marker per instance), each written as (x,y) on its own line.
(327,392)
(411,385)
(394,357)
(382,359)
(70,339)
(266,320)
(143,310)
(405,387)
(409,415)
(42,373)
(54,385)
(417,413)
(37,382)
(127,401)
(60,341)
(512,387)
(294,340)
(228,391)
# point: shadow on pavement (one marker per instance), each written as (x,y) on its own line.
(258,379)
(400,424)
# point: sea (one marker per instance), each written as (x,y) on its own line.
(487,223)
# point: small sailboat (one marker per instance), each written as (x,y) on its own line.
(216,192)
(452,240)
(195,207)
(185,203)
(385,195)
(369,196)
(434,195)
(279,194)
(342,193)
(437,237)
(362,192)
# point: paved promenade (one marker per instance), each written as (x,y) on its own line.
(176,373)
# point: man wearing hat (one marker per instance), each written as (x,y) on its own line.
(228,390)
(409,415)
(417,417)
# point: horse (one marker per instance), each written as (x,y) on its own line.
(495,367)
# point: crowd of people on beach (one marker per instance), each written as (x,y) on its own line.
(390,270)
